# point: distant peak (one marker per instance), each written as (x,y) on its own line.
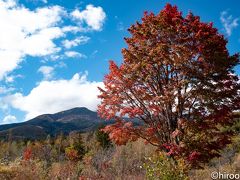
(78,109)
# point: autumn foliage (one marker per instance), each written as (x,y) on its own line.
(27,154)
(177,79)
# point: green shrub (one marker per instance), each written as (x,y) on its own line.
(164,168)
(103,139)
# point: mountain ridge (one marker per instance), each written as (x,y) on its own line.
(76,119)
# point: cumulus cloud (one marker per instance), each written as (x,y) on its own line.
(9,119)
(74,54)
(33,32)
(57,95)
(5,90)
(47,72)
(228,22)
(93,16)
(75,42)
(25,32)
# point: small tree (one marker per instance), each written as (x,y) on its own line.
(76,150)
(103,138)
(177,78)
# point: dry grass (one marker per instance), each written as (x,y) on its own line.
(115,163)
(224,168)
(122,162)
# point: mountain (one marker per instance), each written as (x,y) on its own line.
(76,119)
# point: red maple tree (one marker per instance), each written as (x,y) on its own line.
(177,78)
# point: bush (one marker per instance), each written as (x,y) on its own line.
(75,152)
(162,167)
(103,139)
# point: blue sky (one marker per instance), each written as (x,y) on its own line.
(54,53)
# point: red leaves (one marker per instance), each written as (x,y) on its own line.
(171,149)
(131,112)
(150,131)
(177,80)
(72,154)
(121,132)
(114,69)
(27,154)
(171,15)
(194,156)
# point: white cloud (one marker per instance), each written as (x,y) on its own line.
(60,65)
(25,32)
(12,78)
(73,29)
(93,16)
(57,95)
(4,107)
(228,22)
(47,71)
(9,79)
(75,42)
(4,90)
(9,119)
(74,54)
(41,44)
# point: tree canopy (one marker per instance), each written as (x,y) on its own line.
(177,77)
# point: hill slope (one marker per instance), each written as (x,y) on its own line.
(76,119)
